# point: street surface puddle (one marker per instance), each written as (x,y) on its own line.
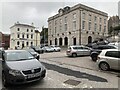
(77,74)
(72,82)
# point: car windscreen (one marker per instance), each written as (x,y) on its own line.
(17,56)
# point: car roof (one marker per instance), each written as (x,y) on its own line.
(14,50)
(111,50)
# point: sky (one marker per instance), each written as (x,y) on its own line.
(38,12)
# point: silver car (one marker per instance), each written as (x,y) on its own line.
(19,67)
(78,50)
(109,59)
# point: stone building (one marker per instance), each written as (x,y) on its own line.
(0,39)
(23,35)
(77,25)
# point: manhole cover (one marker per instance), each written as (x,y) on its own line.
(72,82)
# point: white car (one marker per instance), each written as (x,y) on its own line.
(78,50)
(56,48)
(48,49)
(109,59)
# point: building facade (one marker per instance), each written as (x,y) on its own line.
(23,35)
(77,25)
(4,40)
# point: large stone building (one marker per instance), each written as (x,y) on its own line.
(76,25)
(23,35)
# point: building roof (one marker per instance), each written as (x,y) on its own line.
(78,6)
(19,24)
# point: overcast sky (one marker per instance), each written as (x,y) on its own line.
(28,11)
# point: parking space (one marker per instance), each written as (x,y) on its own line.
(81,61)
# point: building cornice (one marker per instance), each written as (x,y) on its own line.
(18,24)
(79,7)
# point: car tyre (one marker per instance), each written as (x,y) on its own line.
(104,66)
(4,82)
(74,55)
(94,57)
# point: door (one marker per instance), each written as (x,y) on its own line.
(80,50)
(113,58)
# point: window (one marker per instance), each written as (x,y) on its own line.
(27,30)
(89,25)
(65,20)
(95,19)
(18,35)
(115,54)
(74,16)
(65,27)
(31,30)
(55,30)
(89,17)
(22,35)
(74,25)
(31,36)
(104,28)
(83,25)
(95,27)
(18,43)
(104,21)
(55,22)
(83,15)
(60,21)
(100,27)
(31,43)
(18,29)
(27,35)
(27,43)
(100,20)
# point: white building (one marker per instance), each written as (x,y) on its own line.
(23,35)
(77,25)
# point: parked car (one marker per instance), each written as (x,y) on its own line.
(56,48)
(78,50)
(109,59)
(48,49)
(1,49)
(20,67)
(98,48)
(38,49)
(35,54)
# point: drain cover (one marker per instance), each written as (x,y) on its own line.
(72,82)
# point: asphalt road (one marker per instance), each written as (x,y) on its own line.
(65,72)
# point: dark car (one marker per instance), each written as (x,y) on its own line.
(38,49)
(98,48)
(20,67)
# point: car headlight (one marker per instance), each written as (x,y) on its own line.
(14,72)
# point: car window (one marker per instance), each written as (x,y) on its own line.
(75,48)
(115,54)
(15,56)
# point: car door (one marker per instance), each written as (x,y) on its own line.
(80,50)
(86,51)
(113,58)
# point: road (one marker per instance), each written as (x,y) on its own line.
(65,72)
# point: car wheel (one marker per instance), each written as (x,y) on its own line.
(74,55)
(4,82)
(104,66)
